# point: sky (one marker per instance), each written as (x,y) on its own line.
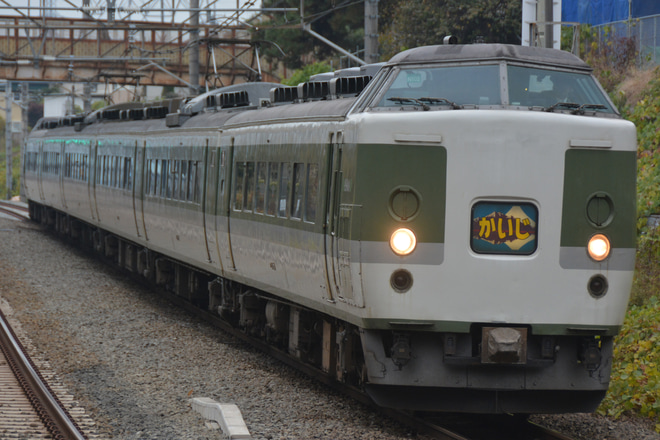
(59,8)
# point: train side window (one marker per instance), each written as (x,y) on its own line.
(113,171)
(285,186)
(128,173)
(119,172)
(192,181)
(184,180)
(271,191)
(312,192)
(262,170)
(157,179)
(197,196)
(84,167)
(164,172)
(176,177)
(239,184)
(249,187)
(298,190)
(106,170)
(173,185)
(147,179)
(67,165)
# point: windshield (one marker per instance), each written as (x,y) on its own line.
(552,89)
(461,85)
(478,86)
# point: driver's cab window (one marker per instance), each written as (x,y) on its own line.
(440,86)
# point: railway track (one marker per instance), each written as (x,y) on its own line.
(28,407)
(13,209)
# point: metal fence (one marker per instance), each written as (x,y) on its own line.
(645,32)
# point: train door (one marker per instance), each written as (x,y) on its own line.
(40,168)
(338,240)
(223,209)
(60,175)
(138,184)
(95,171)
(90,176)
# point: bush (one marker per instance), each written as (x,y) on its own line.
(303,75)
(635,384)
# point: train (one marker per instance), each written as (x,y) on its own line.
(451,230)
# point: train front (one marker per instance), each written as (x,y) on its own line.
(496,187)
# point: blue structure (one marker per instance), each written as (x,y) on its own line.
(637,19)
(598,12)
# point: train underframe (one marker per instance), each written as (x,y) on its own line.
(326,343)
(447,369)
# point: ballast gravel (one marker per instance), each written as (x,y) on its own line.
(134,360)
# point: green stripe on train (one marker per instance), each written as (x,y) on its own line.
(385,170)
(599,174)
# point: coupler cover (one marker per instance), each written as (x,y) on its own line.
(503,345)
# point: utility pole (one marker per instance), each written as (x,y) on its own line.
(371,31)
(25,102)
(8,135)
(193,56)
(549,37)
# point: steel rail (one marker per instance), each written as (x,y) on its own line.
(56,419)
(13,213)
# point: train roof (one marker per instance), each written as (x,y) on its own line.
(488,52)
(325,96)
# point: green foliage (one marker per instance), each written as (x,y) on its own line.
(635,385)
(412,23)
(96,105)
(646,283)
(16,167)
(302,75)
(340,22)
(611,56)
(644,115)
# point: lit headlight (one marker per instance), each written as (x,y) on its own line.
(598,247)
(403,241)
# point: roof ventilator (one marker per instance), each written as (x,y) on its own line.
(228,100)
(348,85)
(283,94)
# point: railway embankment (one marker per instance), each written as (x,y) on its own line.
(635,383)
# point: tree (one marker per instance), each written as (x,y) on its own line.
(303,75)
(340,22)
(412,23)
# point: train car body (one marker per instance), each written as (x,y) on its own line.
(459,236)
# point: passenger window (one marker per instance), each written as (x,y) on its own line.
(249,187)
(106,170)
(298,190)
(285,186)
(164,172)
(239,185)
(312,192)
(198,183)
(128,174)
(271,196)
(262,169)
(176,185)
(184,180)
(147,182)
(171,172)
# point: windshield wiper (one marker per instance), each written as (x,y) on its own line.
(566,105)
(441,101)
(400,100)
(584,107)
